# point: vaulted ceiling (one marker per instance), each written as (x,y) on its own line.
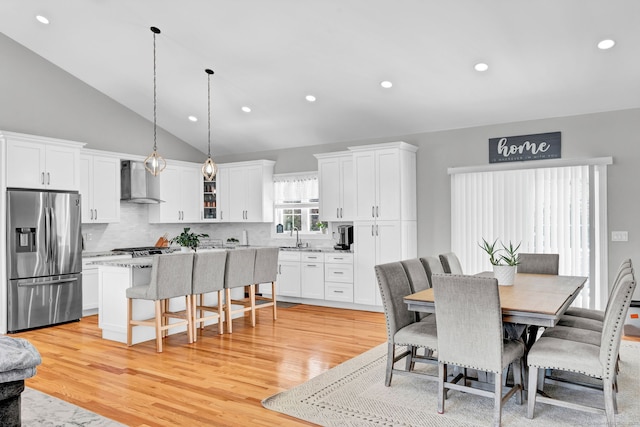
(269,55)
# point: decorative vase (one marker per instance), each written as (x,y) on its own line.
(505,274)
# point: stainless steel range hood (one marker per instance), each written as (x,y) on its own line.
(137,185)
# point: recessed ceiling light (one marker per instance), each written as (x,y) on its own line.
(193,118)
(42,19)
(606,44)
(246,109)
(481,66)
(310,98)
(386,84)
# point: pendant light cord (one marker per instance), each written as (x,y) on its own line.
(209,73)
(155,31)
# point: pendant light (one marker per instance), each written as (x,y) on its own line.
(155,163)
(209,168)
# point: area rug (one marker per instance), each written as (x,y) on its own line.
(41,410)
(353,394)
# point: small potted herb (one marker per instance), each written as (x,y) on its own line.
(188,239)
(322,226)
(232,242)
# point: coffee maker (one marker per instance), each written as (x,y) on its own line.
(345,232)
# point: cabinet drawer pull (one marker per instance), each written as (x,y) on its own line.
(312,265)
(336,258)
(338,292)
(373,210)
(337,212)
(48,178)
(42,178)
(338,272)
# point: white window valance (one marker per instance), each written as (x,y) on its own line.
(296,188)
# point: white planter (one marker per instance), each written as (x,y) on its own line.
(505,274)
(185,249)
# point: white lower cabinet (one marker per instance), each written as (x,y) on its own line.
(288,283)
(90,283)
(338,277)
(312,275)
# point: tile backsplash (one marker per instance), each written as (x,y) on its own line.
(134,230)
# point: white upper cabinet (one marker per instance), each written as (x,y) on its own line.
(180,190)
(336,186)
(385,185)
(100,188)
(249,191)
(222,197)
(42,163)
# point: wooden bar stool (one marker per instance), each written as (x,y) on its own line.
(208,276)
(239,273)
(170,278)
(265,271)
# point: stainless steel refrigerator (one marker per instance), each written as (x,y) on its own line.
(44,258)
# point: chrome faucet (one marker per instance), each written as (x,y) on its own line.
(297,236)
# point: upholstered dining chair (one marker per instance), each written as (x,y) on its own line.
(170,278)
(583,358)
(451,263)
(470,335)
(208,277)
(432,265)
(239,273)
(402,327)
(266,271)
(538,263)
(417,279)
(589,313)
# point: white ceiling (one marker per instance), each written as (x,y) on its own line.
(268,55)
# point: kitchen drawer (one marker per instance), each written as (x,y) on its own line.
(338,273)
(289,256)
(312,257)
(339,258)
(338,291)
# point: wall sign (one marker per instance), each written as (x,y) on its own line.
(524,147)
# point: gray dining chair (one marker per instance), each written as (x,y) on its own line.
(432,265)
(402,327)
(451,263)
(170,278)
(538,263)
(239,273)
(470,335)
(589,313)
(583,358)
(208,277)
(266,271)
(417,279)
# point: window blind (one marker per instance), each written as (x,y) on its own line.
(545,209)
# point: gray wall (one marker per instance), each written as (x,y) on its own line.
(39,98)
(615,134)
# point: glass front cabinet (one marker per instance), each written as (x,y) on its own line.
(209,200)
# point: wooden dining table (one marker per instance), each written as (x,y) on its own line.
(533,299)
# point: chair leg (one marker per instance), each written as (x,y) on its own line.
(541,376)
(532,390)
(158,324)
(391,354)
(220,314)
(188,314)
(193,315)
(517,380)
(129,325)
(442,378)
(228,305)
(273,297)
(609,406)
(252,302)
(497,399)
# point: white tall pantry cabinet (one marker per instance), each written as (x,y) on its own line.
(384,227)
(336,186)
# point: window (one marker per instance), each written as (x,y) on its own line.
(552,210)
(297,203)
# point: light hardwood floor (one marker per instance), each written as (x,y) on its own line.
(218,381)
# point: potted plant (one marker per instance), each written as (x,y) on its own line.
(504,265)
(322,226)
(188,239)
(232,242)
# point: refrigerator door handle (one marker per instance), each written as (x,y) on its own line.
(29,283)
(47,236)
(53,239)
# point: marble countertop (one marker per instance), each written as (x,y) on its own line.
(140,262)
